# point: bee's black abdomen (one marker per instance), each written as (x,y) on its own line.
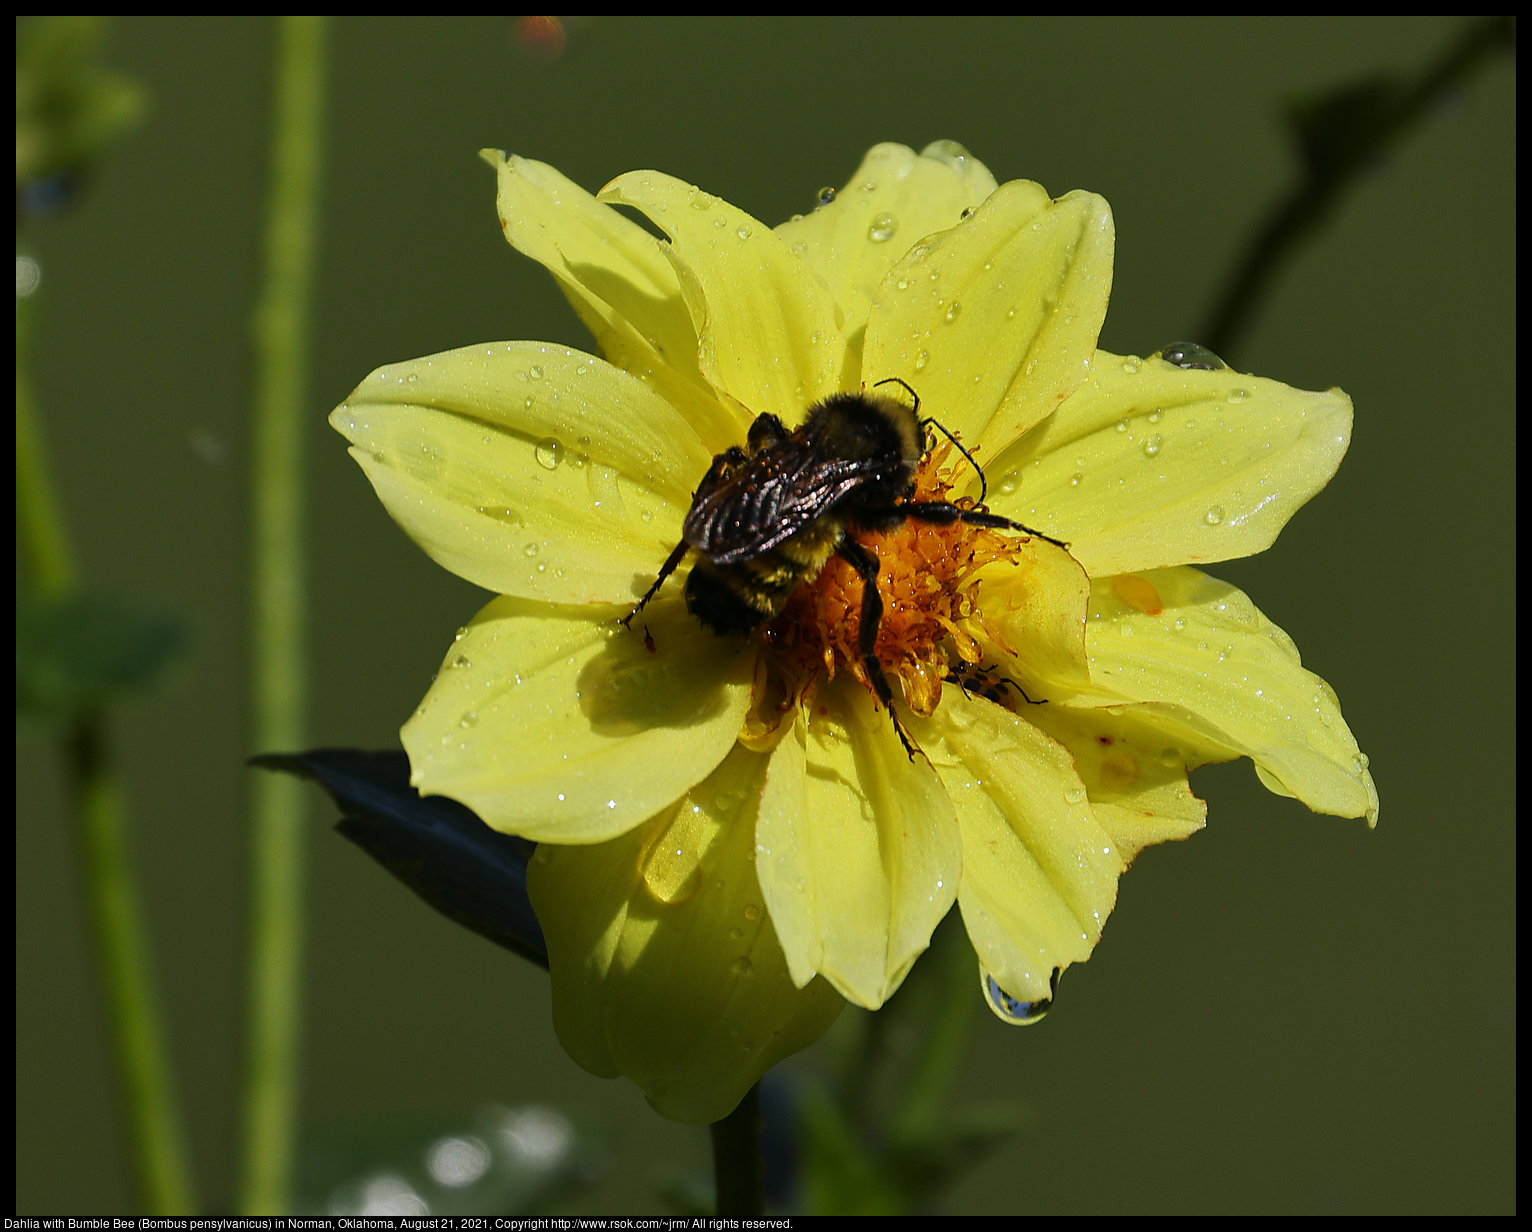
(718,607)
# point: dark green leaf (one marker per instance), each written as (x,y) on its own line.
(436,846)
(80,652)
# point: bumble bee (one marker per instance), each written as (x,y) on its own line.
(766,518)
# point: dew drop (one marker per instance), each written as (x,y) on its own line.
(922,358)
(882,228)
(1122,425)
(1191,355)
(549,453)
(469,719)
(529,550)
(949,152)
(1239,395)
(1214,515)
(1076,480)
(741,966)
(1152,445)
(1130,364)
(1009,483)
(743,231)
(1019,1013)
(954,310)
(826,195)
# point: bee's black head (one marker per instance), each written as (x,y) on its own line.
(865,425)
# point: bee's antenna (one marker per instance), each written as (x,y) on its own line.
(983,483)
(893,380)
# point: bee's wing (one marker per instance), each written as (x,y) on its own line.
(772,497)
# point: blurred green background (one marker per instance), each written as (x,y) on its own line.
(1286,1013)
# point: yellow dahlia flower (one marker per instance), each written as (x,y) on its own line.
(731,837)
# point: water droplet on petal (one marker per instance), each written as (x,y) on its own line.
(1019,1013)
(1152,445)
(549,453)
(882,228)
(1191,355)
(1214,515)
(826,195)
(949,152)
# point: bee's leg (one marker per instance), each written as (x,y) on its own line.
(866,564)
(666,570)
(944,514)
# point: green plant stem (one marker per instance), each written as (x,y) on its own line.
(40,529)
(947,1026)
(737,1165)
(279,614)
(159,1155)
(151,1123)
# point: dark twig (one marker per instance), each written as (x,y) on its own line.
(1340,134)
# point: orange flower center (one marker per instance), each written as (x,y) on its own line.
(926,576)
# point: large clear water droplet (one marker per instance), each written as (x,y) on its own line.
(1192,355)
(549,453)
(1018,1013)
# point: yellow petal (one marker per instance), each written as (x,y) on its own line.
(857,850)
(1149,464)
(994,322)
(560,725)
(618,280)
(895,199)
(527,468)
(767,328)
(1034,618)
(1215,673)
(665,965)
(1134,774)
(1039,870)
